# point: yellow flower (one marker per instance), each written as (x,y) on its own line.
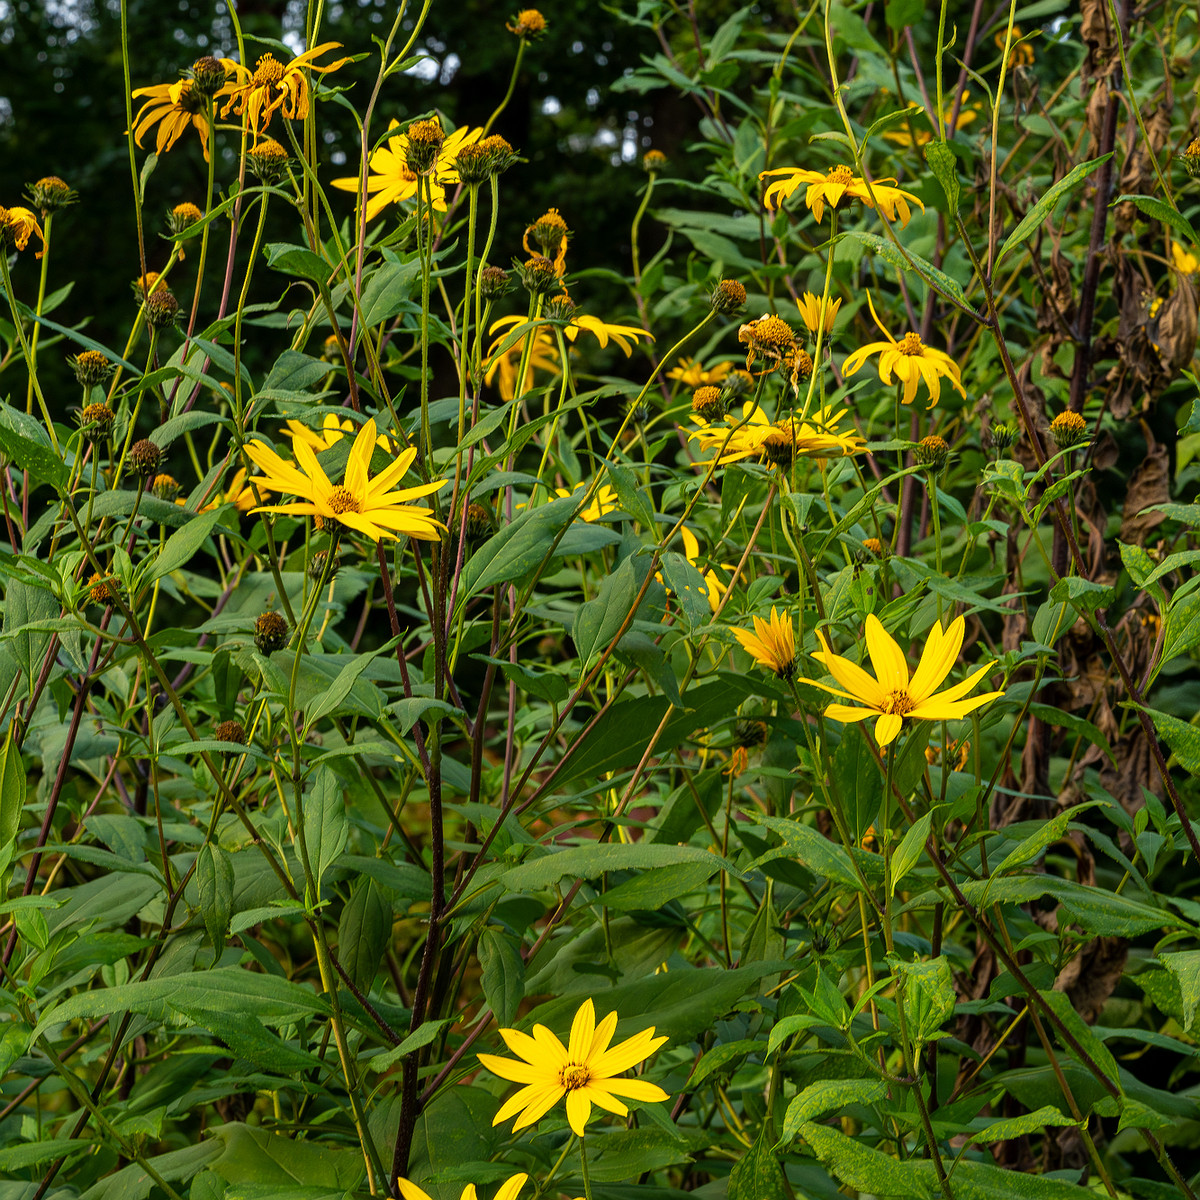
(366,505)
(715,588)
(772,644)
(241,493)
(692,374)
(585,1071)
(528,23)
(508,1189)
(816,437)
(173,107)
(892,695)
(816,315)
(922,133)
(543,355)
(391,180)
(1020,55)
(17,225)
(603,502)
(625,336)
(272,87)
(912,361)
(834,186)
(1184,263)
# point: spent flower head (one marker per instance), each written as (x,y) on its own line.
(425,139)
(654,162)
(208,75)
(268,160)
(708,402)
(932,452)
(270,632)
(91,368)
(183,216)
(728,297)
(96,421)
(50,194)
(144,457)
(17,226)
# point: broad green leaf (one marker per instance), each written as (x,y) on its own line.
(598,621)
(927,995)
(1041,212)
(1004,1128)
(868,1170)
(223,989)
(1182,738)
(658,887)
(297,260)
(592,861)
(757,1174)
(545,685)
(24,605)
(825,1096)
(182,546)
(1085,595)
(364,933)
(325,824)
(912,846)
(688,588)
(944,166)
(900,13)
(502,974)
(1044,835)
(428,1032)
(812,850)
(1159,210)
(626,1154)
(1184,965)
(1082,1032)
(331,699)
(634,498)
(387,291)
(24,441)
(513,553)
(258,1157)
(856,781)
(214,878)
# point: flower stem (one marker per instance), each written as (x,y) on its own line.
(587,1181)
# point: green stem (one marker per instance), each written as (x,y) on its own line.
(512,83)
(587,1181)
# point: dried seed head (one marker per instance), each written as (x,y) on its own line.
(162,309)
(208,75)
(270,633)
(230,731)
(96,421)
(494,282)
(538,275)
(51,193)
(144,457)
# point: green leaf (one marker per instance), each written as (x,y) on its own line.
(295,372)
(364,933)
(592,861)
(1159,210)
(545,685)
(428,1032)
(214,878)
(325,824)
(911,847)
(330,700)
(24,605)
(866,1169)
(892,255)
(1085,595)
(297,260)
(944,166)
(1082,1032)
(855,780)
(182,545)
(900,13)
(634,498)
(598,621)
(388,290)
(658,887)
(688,587)
(1041,212)
(258,1157)
(757,1174)
(828,1095)
(1004,1128)
(513,553)
(1182,738)
(1185,967)
(23,439)
(811,850)
(1045,834)
(502,974)
(166,433)
(1182,626)
(927,995)
(223,989)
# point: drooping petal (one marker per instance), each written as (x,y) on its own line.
(579,1108)
(887,728)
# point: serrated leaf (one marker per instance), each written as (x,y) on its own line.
(325,824)
(502,974)
(824,1096)
(1041,212)
(214,879)
(944,166)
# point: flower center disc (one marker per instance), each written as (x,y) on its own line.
(899,704)
(572,1077)
(839,174)
(911,344)
(343,501)
(270,70)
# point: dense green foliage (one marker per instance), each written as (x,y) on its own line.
(396,651)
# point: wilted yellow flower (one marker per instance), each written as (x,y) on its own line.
(772,644)
(910,360)
(17,225)
(625,336)
(892,695)
(834,186)
(173,107)
(587,1071)
(1183,261)
(272,87)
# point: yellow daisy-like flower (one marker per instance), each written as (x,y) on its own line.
(586,1071)
(508,1189)
(174,108)
(911,360)
(332,430)
(691,373)
(834,186)
(625,336)
(241,493)
(361,503)
(272,87)
(893,695)
(603,502)
(17,225)
(922,132)
(543,356)
(391,180)
(1183,262)
(772,644)
(817,315)
(816,437)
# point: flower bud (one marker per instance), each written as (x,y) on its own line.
(932,452)
(728,297)
(91,368)
(1068,429)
